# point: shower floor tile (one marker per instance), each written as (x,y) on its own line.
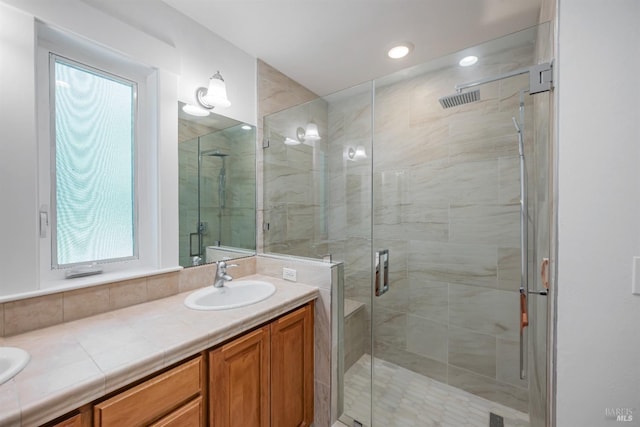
(405,398)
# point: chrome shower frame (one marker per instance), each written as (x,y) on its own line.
(540,80)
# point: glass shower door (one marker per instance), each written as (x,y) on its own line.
(446,215)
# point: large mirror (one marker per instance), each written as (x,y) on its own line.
(217,194)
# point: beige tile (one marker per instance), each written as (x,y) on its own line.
(509,268)
(32,313)
(10,404)
(355,330)
(473,264)
(322,337)
(508,363)
(472,351)
(308,272)
(322,405)
(397,297)
(412,361)
(119,364)
(163,285)
(196,277)
(472,382)
(390,327)
(246,267)
(85,302)
(497,225)
(427,338)
(57,391)
(509,168)
(489,311)
(511,396)
(126,293)
(429,300)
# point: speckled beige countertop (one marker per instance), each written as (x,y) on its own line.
(78,362)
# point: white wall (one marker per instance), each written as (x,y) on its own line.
(18,153)
(598,343)
(201,53)
(184,53)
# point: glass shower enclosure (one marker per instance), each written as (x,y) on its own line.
(426,208)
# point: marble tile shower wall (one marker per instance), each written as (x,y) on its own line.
(276,92)
(446,205)
(295,190)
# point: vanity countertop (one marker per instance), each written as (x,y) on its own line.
(75,363)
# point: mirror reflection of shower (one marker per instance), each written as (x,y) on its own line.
(222,190)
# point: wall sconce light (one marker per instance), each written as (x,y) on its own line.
(215,95)
(356,154)
(291,141)
(311,132)
(194,110)
(308,134)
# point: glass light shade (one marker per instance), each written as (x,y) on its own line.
(290,141)
(195,110)
(217,93)
(360,153)
(311,132)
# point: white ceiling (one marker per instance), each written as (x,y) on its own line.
(329,45)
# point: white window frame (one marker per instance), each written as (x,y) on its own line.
(145,153)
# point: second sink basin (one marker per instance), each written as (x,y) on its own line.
(12,361)
(235,294)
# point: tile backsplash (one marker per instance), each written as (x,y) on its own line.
(28,314)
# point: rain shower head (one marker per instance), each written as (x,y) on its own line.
(460,98)
(214,153)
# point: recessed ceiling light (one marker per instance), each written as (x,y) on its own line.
(468,61)
(246,127)
(400,50)
(195,111)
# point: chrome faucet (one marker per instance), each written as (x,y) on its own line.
(221,274)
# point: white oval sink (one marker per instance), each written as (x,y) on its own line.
(233,295)
(12,361)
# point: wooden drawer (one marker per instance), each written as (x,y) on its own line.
(75,421)
(152,399)
(190,415)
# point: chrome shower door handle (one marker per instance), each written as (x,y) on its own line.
(381,281)
(191,253)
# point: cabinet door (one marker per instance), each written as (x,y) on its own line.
(239,388)
(292,369)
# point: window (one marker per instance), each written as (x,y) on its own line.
(98,193)
(93,180)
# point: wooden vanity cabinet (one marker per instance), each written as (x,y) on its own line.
(292,369)
(265,377)
(173,398)
(239,381)
(75,421)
